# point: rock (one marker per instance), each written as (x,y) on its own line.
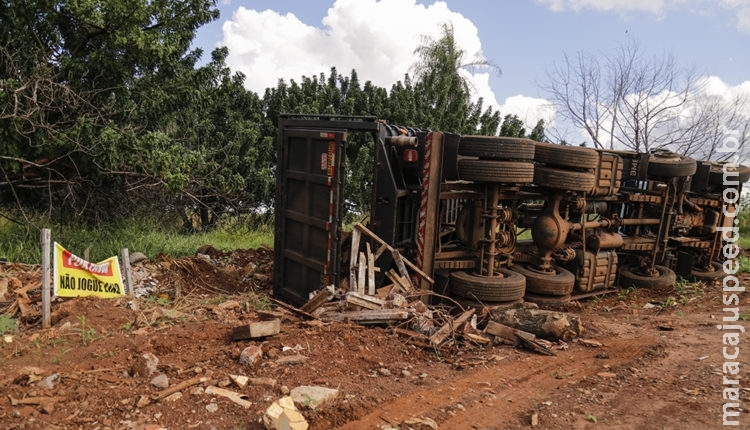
(421,423)
(257,329)
(534,420)
(251,355)
(160,381)
(267,382)
(212,407)
(145,365)
(230,305)
(292,359)
(239,380)
(283,415)
(49,382)
(313,397)
(137,257)
(173,397)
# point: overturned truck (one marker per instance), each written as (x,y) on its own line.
(495,220)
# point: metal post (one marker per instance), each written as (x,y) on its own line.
(45,239)
(126,269)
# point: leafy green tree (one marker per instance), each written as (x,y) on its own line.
(443,90)
(512,126)
(89,96)
(537,133)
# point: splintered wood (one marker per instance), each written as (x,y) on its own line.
(362,263)
(359,300)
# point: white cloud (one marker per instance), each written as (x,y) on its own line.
(652,6)
(377,38)
(741,8)
(743,19)
(530,110)
(714,87)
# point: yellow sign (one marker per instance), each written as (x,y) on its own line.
(75,276)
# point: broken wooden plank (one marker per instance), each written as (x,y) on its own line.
(363,300)
(500,330)
(531,343)
(353,266)
(256,329)
(516,336)
(401,285)
(477,338)
(237,398)
(361,276)
(319,299)
(370,271)
(36,400)
(358,226)
(447,328)
(382,316)
(292,308)
(383,247)
(175,388)
(402,269)
(330,307)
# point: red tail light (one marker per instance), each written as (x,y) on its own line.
(410,155)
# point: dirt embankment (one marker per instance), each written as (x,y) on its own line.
(651,360)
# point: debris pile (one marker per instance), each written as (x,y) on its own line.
(399,305)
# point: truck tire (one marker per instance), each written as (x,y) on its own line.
(716,174)
(708,276)
(497,147)
(560,283)
(630,278)
(564,179)
(493,171)
(507,288)
(565,156)
(667,164)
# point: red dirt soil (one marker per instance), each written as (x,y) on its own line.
(651,360)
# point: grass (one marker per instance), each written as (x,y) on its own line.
(87,333)
(150,237)
(744,264)
(7,324)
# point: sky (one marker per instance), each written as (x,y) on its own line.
(270,40)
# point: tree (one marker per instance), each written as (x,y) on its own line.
(440,81)
(538,133)
(512,126)
(626,101)
(724,124)
(87,91)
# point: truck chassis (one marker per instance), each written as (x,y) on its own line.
(496,220)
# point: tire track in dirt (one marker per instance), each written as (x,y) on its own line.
(487,397)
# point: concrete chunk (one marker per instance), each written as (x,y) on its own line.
(283,415)
(313,397)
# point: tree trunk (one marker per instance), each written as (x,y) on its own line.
(548,325)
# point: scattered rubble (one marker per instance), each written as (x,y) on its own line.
(283,415)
